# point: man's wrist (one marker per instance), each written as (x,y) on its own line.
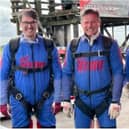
(66,100)
(115,102)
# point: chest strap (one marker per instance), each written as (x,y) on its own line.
(30,70)
(88,54)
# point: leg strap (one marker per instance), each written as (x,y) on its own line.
(84,107)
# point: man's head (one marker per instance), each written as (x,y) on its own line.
(90,21)
(28,20)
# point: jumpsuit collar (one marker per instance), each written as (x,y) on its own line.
(23,39)
(93,38)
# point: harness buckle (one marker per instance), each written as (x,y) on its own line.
(99,54)
(18,96)
(46,94)
(88,93)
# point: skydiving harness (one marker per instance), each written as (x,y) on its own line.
(107,43)
(14,45)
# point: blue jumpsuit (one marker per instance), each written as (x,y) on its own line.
(92,73)
(32,84)
(127,67)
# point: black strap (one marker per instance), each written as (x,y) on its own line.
(19,96)
(29,70)
(98,110)
(45,95)
(84,107)
(102,106)
(88,54)
(105,103)
(13,47)
(74,44)
(89,93)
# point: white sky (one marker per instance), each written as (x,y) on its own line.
(7,29)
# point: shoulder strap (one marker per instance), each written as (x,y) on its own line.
(74,45)
(13,45)
(107,42)
(49,45)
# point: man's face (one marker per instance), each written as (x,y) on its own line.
(90,24)
(29,27)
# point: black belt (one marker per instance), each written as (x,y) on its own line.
(89,93)
(29,70)
(88,54)
(98,110)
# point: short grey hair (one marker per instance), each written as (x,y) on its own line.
(89,11)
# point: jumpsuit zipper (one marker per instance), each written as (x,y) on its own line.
(34,79)
(89,74)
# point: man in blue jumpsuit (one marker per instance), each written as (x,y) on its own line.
(93,71)
(29,94)
(126,79)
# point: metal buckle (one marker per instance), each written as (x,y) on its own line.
(88,93)
(46,95)
(18,96)
(99,53)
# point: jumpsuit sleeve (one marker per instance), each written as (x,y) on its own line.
(126,72)
(67,75)
(4,75)
(117,72)
(57,75)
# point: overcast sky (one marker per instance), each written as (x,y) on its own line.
(7,29)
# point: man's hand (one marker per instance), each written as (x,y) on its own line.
(4,110)
(56,107)
(114,110)
(67,108)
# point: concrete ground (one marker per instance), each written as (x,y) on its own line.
(65,122)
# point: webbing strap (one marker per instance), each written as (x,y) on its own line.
(84,107)
(29,70)
(98,110)
(45,95)
(19,96)
(102,106)
(89,93)
(88,54)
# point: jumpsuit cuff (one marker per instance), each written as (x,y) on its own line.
(57,91)
(3,92)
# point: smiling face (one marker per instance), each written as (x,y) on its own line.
(90,24)
(29,27)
